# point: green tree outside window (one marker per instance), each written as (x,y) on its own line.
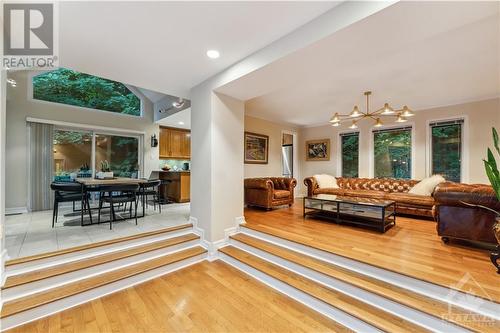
(66,86)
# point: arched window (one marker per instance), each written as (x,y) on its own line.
(66,86)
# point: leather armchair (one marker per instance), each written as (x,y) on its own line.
(269,192)
(455,219)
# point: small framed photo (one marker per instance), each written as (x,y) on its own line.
(318,150)
(256,148)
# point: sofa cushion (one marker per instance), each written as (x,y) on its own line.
(326,181)
(373,194)
(411,199)
(281,194)
(427,185)
(335,191)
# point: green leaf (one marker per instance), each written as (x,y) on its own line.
(495,139)
(494,177)
(491,160)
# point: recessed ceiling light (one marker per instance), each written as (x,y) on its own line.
(213,54)
(181,123)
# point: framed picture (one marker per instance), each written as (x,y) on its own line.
(256,148)
(318,150)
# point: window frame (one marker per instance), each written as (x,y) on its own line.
(464,167)
(339,150)
(30,98)
(411,126)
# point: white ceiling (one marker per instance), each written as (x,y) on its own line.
(176,119)
(161,46)
(423,54)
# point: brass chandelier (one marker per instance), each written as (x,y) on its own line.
(386,111)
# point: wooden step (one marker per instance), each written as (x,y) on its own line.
(32,301)
(20,279)
(94,245)
(403,296)
(374,316)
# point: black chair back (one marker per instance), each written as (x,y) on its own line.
(119,188)
(151,183)
(66,187)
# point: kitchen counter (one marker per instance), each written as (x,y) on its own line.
(178,189)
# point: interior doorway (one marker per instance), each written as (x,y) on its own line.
(287,155)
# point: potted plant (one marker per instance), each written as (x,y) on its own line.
(105,170)
(493,174)
(491,167)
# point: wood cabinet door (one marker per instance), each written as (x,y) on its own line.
(176,143)
(186,145)
(164,139)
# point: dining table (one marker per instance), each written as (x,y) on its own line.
(88,183)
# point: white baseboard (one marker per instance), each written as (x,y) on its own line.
(16,210)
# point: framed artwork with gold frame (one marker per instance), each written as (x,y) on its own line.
(318,150)
(256,148)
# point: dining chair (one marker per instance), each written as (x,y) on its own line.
(69,192)
(117,194)
(151,187)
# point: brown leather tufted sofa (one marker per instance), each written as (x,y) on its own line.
(460,221)
(379,188)
(269,192)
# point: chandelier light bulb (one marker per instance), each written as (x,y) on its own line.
(335,118)
(378,123)
(337,124)
(407,112)
(355,112)
(354,125)
(387,109)
(401,119)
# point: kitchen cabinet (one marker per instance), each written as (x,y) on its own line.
(178,189)
(175,143)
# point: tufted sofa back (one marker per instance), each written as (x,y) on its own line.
(381,184)
(281,183)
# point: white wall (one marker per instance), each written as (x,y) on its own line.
(19,106)
(480,117)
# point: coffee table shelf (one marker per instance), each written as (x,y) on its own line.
(374,213)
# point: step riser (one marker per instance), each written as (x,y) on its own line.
(55,281)
(460,299)
(92,252)
(69,302)
(312,302)
(419,318)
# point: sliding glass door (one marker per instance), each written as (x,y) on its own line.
(72,154)
(120,152)
(82,153)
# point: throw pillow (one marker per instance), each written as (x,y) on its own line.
(326,181)
(427,185)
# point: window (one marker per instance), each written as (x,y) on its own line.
(446,149)
(392,153)
(72,154)
(350,154)
(66,86)
(79,153)
(121,152)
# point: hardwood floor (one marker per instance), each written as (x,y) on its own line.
(206,297)
(412,247)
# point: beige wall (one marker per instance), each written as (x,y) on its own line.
(480,117)
(19,107)
(274,131)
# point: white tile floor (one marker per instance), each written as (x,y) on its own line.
(32,233)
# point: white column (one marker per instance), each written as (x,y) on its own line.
(217,125)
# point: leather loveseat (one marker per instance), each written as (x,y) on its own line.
(455,219)
(379,188)
(269,192)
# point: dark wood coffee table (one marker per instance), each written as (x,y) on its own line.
(374,213)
